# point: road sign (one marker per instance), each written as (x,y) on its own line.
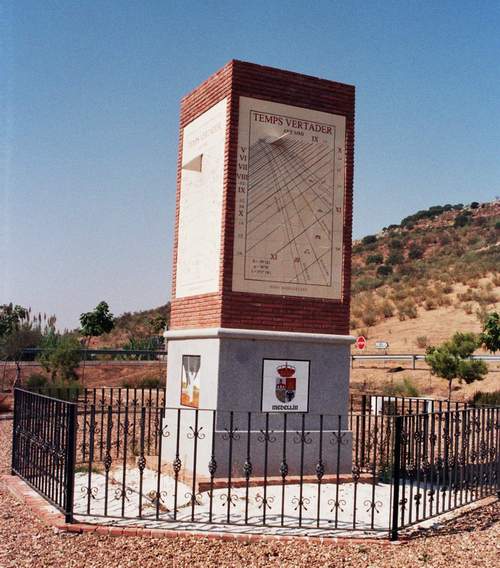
(381,345)
(360,342)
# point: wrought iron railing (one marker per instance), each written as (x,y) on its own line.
(370,471)
(44,446)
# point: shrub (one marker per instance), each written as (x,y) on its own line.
(430,304)
(461,221)
(396,244)
(406,387)
(144,383)
(486,398)
(474,205)
(374,259)
(387,309)
(415,252)
(407,309)
(369,317)
(482,314)
(395,257)
(497,225)
(468,309)
(366,283)
(36,380)
(422,341)
(369,239)
(444,300)
(61,356)
(365,332)
(384,270)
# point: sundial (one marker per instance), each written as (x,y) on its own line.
(260,292)
(289,201)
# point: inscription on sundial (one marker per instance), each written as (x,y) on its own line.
(289,201)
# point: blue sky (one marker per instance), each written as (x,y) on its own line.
(89,99)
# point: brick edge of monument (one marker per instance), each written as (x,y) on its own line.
(229,309)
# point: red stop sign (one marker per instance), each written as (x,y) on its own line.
(360,342)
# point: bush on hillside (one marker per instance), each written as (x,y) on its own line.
(415,252)
(422,341)
(461,221)
(384,270)
(395,258)
(369,239)
(374,259)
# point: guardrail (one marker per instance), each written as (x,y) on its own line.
(413,358)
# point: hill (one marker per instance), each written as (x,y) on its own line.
(136,330)
(443,260)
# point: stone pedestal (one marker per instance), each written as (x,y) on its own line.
(229,425)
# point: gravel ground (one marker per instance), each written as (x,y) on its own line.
(471,540)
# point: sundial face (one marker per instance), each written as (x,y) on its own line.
(289,201)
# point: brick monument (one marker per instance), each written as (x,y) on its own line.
(262,253)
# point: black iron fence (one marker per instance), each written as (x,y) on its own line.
(382,468)
(44,446)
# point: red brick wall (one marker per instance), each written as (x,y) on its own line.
(263,311)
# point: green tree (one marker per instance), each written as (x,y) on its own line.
(95,324)
(451,360)
(60,356)
(490,337)
(11,318)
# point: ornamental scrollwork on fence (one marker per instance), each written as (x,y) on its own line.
(193,498)
(161,431)
(156,497)
(373,505)
(89,492)
(337,505)
(123,494)
(302,438)
(339,438)
(229,500)
(266,436)
(301,502)
(231,434)
(264,501)
(196,433)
